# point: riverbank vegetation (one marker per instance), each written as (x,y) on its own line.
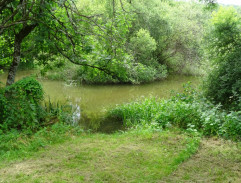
(191,112)
(108,42)
(119,42)
(23,108)
(157,39)
(159,136)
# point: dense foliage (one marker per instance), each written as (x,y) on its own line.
(188,110)
(22,108)
(44,30)
(141,41)
(223,84)
(115,41)
(21,105)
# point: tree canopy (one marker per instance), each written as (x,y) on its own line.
(42,29)
(106,37)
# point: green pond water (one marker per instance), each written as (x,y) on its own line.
(96,98)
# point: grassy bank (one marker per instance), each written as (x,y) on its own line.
(133,156)
(15,145)
(217,160)
(161,144)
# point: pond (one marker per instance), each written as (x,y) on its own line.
(95,98)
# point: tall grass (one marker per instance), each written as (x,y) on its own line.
(56,111)
(153,110)
(187,111)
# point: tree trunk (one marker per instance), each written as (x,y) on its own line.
(16,60)
(25,31)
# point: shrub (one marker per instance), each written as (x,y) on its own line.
(231,128)
(93,76)
(20,105)
(141,74)
(224,83)
(22,108)
(143,45)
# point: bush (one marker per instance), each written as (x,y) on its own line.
(22,108)
(143,45)
(231,128)
(224,83)
(141,74)
(2,104)
(20,105)
(93,76)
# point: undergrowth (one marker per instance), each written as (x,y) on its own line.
(27,123)
(22,108)
(188,110)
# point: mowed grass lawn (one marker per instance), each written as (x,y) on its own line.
(169,156)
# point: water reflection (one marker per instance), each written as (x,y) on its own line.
(76,115)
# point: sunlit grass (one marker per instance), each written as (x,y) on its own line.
(217,160)
(121,157)
(16,145)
